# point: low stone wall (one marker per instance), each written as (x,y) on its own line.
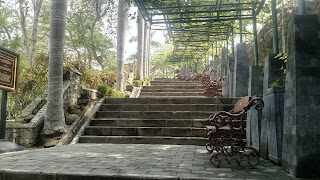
(28,134)
(24,134)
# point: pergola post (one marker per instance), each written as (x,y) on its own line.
(302,7)
(240,23)
(145,48)
(256,48)
(275,27)
(140,53)
(232,44)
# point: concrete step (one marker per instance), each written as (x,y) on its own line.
(144,140)
(142,94)
(172,100)
(154,114)
(145,131)
(129,122)
(166,107)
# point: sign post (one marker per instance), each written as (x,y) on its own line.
(9,67)
(3,115)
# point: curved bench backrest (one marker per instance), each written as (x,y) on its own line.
(241,104)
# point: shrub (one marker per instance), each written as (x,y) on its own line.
(137,83)
(92,78)
(102,89)
(107,91)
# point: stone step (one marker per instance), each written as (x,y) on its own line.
(170,100)
(155,114)
(176,83)
(142,94)
(129,122)
(166,107)
(145,131)
(174,87)
(144,140)
(172,90)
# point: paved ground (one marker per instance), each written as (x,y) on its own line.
(125,161)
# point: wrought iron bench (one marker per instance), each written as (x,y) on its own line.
(213,88)
(199,76)
(191,77)
(206,77)
(227,136)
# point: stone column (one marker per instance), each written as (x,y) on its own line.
(241,71)
(230,76)
(198,67)
(255,89)
(272,113)
(301,141)
(223,67)
(215,67)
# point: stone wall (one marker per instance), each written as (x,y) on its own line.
(27,134)
(24,134)
(301,133)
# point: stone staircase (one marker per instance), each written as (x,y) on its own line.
(168,112)
(172,88)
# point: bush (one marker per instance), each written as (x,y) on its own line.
(92,78)
(107,91)
(137,83)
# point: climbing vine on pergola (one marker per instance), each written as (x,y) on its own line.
(194,25)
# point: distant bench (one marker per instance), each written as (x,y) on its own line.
(227,136)
(214,88)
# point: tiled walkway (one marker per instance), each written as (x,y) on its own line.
(125,161)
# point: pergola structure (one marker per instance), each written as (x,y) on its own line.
(195,25)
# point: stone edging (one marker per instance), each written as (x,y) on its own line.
(84,121)
(76,126)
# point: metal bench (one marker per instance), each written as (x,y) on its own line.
(206,77)
(214,89)
(227,136)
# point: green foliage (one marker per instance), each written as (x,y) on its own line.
(91,78)
(137,83)
(107,91)
(147,80)
(32,82)
(163,62)
(282,71)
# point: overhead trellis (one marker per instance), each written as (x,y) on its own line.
(193,25)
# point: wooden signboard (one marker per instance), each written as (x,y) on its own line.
(9,68)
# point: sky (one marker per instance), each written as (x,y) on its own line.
(131,48)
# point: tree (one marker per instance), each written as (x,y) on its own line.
(121,31)
(30,49)
(37,4)
(54,122)
(87,34)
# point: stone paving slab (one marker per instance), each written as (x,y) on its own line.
(125,161)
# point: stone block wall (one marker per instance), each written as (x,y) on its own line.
(241,71)
(301,136)
(26,135)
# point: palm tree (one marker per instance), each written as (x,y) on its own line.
(54,121)
(121,32)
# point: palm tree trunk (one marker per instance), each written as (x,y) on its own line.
(140,54)
(54,121)
(121,32)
